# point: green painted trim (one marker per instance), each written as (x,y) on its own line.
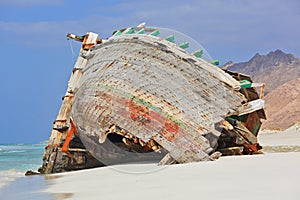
(138,100)
(184,45)
(142,31)
(129,31)
(215,62)
(256,128)
(117,33)
(155,33)
(245,84)
(170,38)
(198,53)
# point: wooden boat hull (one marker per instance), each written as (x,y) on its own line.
(148,90)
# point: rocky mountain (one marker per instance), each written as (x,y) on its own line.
(281,73)
(274,69)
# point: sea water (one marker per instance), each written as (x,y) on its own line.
(16,159)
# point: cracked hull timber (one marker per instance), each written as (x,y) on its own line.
(153,90)
(138,98)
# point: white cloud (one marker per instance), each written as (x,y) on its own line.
(238,27)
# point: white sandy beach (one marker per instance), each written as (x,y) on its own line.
(267,176)
(270,176)
(290,136)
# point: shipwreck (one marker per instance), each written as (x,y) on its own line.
(137,97)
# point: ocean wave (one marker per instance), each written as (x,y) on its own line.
(26,157)
(9,147)
(21,148)
(15,151)
(12,173)
(7,176)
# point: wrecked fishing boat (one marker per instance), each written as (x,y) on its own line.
(137,97)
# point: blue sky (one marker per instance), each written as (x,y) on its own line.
(36,58)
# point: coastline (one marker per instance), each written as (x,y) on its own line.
(26,187)
(265,176)
(16,159)
(8,176)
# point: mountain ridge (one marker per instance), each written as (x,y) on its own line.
(275,68)
(281,74)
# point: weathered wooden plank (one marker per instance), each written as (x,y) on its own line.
(58,132)
(245,133)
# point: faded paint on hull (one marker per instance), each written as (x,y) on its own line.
(153,90)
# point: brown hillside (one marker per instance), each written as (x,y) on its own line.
(281,73)
(283,106)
